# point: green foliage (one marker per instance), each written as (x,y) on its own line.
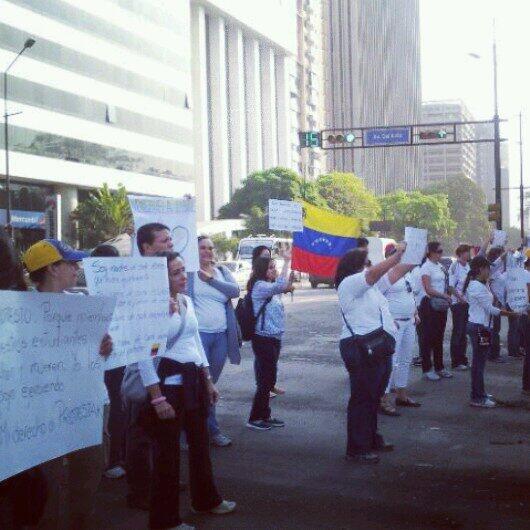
(419,210)
(468,209)
(346,194)
(104,215)
(225,245)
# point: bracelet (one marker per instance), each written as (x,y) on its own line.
(158,400)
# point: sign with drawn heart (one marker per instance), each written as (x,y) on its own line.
(177,214)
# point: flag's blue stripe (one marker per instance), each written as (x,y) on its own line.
(323,244)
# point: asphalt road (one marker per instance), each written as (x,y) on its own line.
(453,467)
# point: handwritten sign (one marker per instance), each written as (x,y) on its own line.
(517,280)
(285,215)
(499,238)
(140,320)
(51,376)
(416,239)
(178,215)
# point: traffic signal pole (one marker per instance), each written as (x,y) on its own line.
(496,138)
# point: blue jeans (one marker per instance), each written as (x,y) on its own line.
(478,364)
(216,348)
(368,381)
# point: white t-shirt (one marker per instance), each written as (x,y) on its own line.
(210,305)
(436,273)
(399,295)
(481,308)
(457,278)
(363,306)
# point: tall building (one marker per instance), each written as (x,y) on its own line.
(242,55)
(307,87)
(372,58)
(441,162)
(102,97)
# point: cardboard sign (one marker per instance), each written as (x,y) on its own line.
(140,321)
(416,239)
(178,215)
(500,237)
(285,215)
(51,376)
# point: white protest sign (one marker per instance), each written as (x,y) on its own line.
(140,321)
(416,239)
(517,280)
(51,376)
(178,215)
(499,238)
(285,215)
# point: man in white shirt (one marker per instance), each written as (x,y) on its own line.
(459,307)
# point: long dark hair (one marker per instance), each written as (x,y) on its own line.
(11,273)
(256,252)
(352,262)
(475,265)
(170,255)
(259,271)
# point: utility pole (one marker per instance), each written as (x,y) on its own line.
(496,134)
(521,186)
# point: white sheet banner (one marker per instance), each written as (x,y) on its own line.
(178,215)
(51,376)
(416,239)
(517,280)
(285,215)
(140,322)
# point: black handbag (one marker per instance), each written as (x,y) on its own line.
(438,303)
(377,344)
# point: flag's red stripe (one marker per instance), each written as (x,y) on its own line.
(304,261)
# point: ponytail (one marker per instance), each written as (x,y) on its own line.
(475,266)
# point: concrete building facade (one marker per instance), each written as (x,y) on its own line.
(372,78)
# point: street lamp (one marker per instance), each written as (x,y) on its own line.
(496,129)
(28,44)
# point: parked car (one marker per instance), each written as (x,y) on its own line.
(315,281)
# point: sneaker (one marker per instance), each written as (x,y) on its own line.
(224,508)
(259,425)
(485,403)
(114,472)
(221,440)
(273,422)
(461,367)
(182,526)
(278,391)
(446,374)
(431,376)
(365,458)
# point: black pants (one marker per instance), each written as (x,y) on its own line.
(117,422)
(368,381)
(495,350)
(478,365)
(165,436)
(525,339)
(431,336)
(266,354)
(458,335)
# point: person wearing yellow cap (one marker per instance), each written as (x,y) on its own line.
(52,266)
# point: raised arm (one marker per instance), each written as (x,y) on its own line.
(228,285)
(376,272)
(397,272)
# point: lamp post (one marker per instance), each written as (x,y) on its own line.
(28,44)
(521,185)
(496,129)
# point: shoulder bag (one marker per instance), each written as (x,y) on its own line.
(438,303)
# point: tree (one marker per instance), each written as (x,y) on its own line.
(224,245)
(104,215)
(346,194)
(467,206)
(419,210)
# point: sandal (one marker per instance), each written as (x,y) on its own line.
(407,403)
(388,410)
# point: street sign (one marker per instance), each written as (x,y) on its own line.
(386,136)
(309,139)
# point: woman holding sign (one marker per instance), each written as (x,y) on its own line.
(180,392)
(479,327)
(212,289)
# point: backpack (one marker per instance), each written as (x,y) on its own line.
(245,316)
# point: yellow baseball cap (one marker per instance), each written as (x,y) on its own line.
(527,252)
(48,251)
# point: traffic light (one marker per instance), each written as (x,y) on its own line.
(341,138)
(309,139)
(494,212)
(433,135)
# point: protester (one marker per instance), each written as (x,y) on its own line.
(151,238)
(434,305)
(117,418)
(402,306)
(366,346)
(53,268)
(212,288)
(266,286)
(459,307)
(525,337)
(180,391)
(481,313)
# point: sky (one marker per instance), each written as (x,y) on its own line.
(450,30)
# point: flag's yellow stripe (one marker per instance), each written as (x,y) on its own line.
(330,223)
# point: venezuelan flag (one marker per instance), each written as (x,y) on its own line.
(326,237)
